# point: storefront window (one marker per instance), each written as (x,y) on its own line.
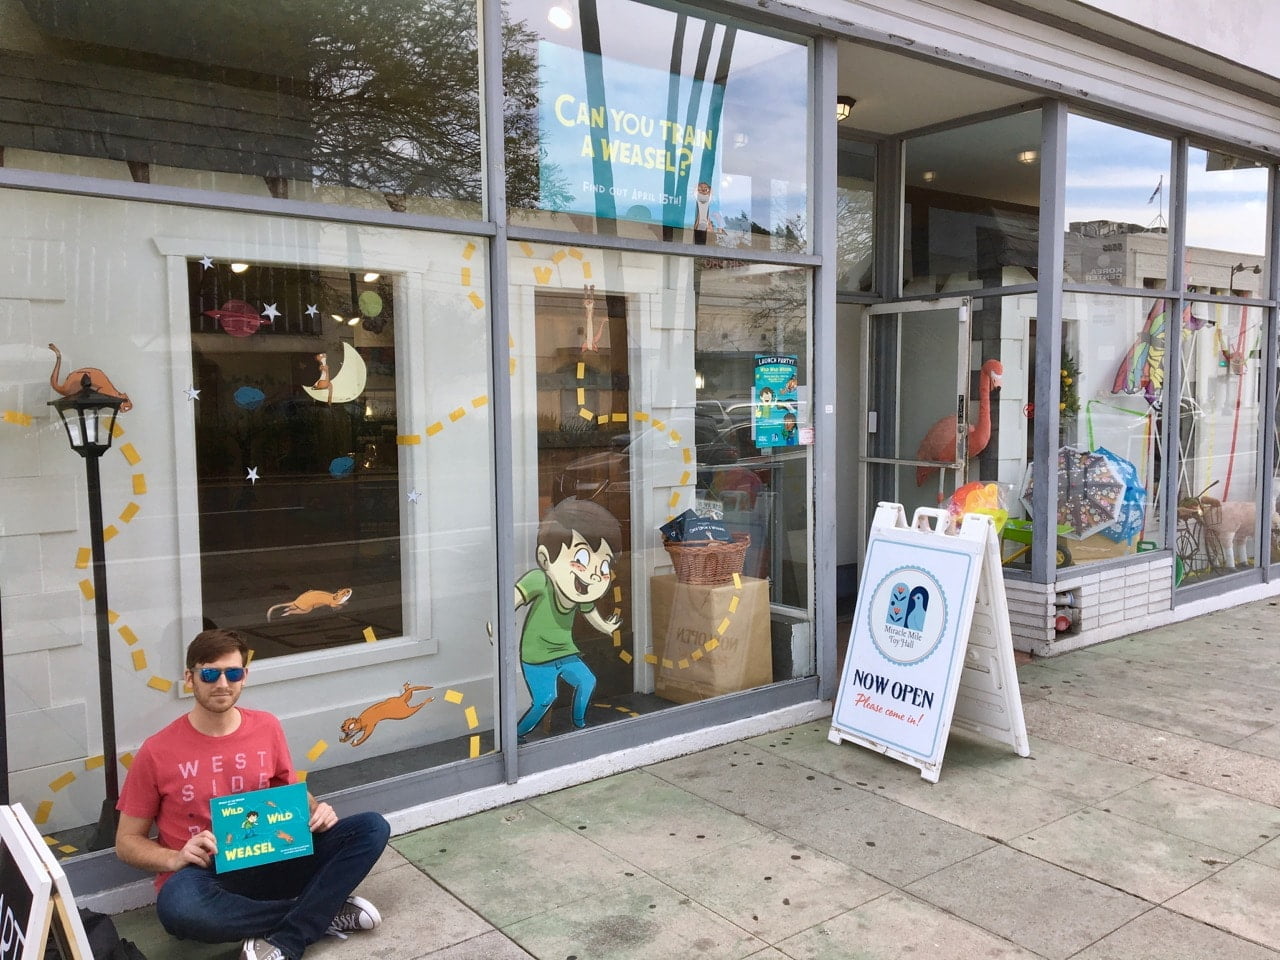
(1118,198)
(855,216)
(1111,399)
(654,123)
(296,374)
(280,469)
(1219,523)
(1220,418)
(644,388)
(368,105)
(972,206)
(1226,224)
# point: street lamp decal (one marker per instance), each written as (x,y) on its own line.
(90,419)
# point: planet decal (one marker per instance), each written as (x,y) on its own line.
(248,398)
(370,303)
(347,383)
(341,466)
(238,318)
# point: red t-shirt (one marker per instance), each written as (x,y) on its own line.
(177,771)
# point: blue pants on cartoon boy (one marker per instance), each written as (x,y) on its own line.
(542,677)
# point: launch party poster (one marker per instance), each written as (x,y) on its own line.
(774,408)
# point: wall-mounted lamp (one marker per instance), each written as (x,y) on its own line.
(560,17)
(929,176)
(698,381)
(740,140)
(1028,156)
(844,107)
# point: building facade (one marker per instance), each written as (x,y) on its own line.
(426,325)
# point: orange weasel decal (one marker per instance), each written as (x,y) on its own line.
(356,730)
(309,601)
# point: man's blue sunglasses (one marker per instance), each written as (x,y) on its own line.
(211,674)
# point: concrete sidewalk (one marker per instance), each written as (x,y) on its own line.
(1143,827)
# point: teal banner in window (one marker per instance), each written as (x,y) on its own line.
(621,141)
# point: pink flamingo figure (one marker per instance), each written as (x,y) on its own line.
(939,442)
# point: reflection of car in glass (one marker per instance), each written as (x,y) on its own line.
(605,476)
(730,469)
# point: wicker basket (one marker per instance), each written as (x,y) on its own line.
(708,561)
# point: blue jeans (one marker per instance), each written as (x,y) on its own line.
(542,677)
(289,904)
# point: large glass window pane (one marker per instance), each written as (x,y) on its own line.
(1111,401)
(1219,521)
(972,213)
(639,394)
(855,216)
(1226,224)
(370,105)
(279,469)
(1219,434)
(651,122)
(1117,195)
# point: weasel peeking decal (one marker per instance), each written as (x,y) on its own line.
(356,730)
(576,543)
(309,601)
(73,382)
(343,386)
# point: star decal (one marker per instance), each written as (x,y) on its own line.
(270,311)
(253,475)
(192,392)
(206,261)
(414,495)
(312,310)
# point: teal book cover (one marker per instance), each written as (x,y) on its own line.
(261,826)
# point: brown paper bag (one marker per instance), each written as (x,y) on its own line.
(709,640)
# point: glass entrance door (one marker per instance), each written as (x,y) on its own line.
(914,403)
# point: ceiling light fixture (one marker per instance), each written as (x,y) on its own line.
(239,267)
(560,18)
(844,107)
(371,277)
(1028,156)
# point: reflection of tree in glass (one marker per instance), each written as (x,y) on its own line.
(395,92)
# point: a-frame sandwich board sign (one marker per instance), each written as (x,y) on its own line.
(930,644)
(60,918)
(25,889)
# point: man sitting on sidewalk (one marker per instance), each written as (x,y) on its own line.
(277,909)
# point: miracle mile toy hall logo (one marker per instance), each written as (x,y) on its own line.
(907,615)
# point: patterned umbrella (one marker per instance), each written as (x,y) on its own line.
(1133,505)
(1090,492)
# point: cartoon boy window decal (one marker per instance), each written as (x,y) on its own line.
(576,544)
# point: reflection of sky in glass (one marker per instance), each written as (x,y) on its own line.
(1113,173)
(1226,209)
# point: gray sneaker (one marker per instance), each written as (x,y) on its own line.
(255,948)
(356,914)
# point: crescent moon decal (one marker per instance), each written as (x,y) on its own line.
(348,383)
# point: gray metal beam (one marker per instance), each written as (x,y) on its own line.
(1048,359)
